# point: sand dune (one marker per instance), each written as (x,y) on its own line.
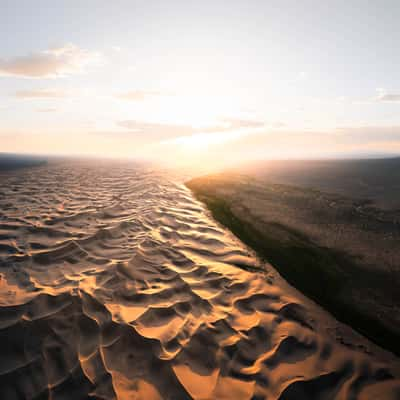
(116,283)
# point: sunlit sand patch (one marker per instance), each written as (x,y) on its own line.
(205,293)
(137,389)
(163,330)
(200,387)
(125,314)
(244,321)
(12,293)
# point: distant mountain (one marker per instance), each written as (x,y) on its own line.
(13,161)
(377,180)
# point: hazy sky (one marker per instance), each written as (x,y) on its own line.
(200,80)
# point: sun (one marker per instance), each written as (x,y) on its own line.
(197,111)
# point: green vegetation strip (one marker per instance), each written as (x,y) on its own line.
(325,275)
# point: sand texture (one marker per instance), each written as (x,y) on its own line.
(116,283)
(343,252)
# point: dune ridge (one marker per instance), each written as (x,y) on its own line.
(117,284)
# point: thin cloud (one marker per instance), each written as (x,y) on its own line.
(230,124)
(137,95)
(365,134)
(46,110)
(171,130)
(39,93)
(390,98)
(154,130)
(303,144)
(52,63)
(387,97)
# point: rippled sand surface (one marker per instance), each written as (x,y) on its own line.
(115,283)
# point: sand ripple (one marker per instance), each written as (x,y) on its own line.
(115,283)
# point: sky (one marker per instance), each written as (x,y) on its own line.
(200,81)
